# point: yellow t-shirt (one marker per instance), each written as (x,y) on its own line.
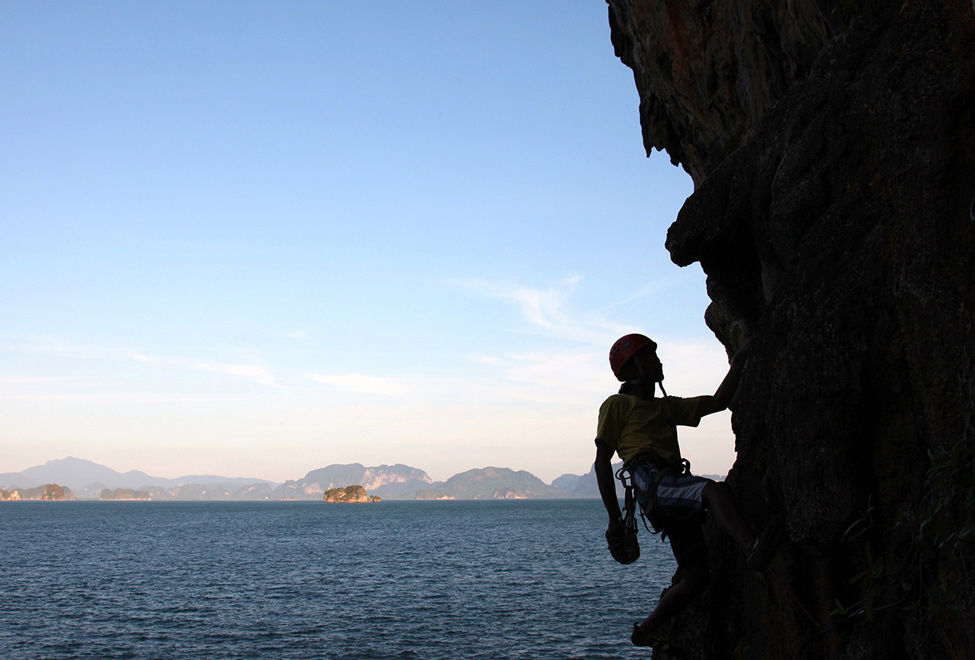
(631,425)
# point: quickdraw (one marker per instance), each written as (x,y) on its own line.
(629,500)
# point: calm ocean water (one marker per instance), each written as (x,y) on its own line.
(290,580)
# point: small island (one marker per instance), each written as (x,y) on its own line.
(424,494)
(349,494)
(125,495)
(45,493)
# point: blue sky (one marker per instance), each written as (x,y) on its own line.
(254,238)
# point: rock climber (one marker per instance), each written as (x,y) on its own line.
(641,428)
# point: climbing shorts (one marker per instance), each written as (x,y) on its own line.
(673,502)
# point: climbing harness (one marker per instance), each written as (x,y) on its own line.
(654,520)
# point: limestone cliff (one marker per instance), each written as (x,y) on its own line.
(390,481)
(832,150)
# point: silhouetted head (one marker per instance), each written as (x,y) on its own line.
(633,359)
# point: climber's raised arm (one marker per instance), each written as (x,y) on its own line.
(722,397)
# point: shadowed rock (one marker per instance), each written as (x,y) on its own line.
(832,149)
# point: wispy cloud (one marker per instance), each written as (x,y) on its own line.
(550,369)
(363,383)
(116,398)
(43,380)
(645,291)
(547,310)
(51,345)
(47,345)
(252,372)
(256,373)
(575,368)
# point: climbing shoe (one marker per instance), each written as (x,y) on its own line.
(768,542)
(624,546)
(656,641)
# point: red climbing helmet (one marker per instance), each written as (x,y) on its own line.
(624,348)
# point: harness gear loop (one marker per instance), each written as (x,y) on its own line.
(629,499)
(622,540)
(625,475)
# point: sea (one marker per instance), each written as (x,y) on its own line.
(432,580)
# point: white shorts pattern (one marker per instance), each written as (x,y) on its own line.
(678,496)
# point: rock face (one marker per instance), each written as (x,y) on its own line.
(832,149)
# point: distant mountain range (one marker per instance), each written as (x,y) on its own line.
(87,479)
(391,482)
